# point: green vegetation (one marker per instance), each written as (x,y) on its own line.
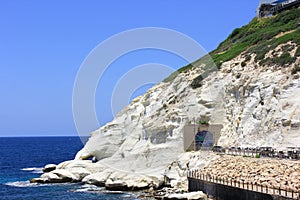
(259,37)
(284,59)
(266,46)
(257,156)
(203,122)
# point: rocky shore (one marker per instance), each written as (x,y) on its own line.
(273,173)
(100,174)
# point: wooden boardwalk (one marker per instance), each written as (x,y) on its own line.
(277,192)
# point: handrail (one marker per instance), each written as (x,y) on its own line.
(282,192)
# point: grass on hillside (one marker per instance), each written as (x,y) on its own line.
(258,37)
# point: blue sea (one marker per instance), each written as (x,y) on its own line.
(23,158)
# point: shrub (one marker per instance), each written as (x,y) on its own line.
(203,122)
(248,58)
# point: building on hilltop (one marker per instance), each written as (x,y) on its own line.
(268,8)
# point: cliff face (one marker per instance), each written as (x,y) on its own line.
(266,98)
(256,83)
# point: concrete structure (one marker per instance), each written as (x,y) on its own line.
(270,7)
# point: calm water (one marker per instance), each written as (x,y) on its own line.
(22,158)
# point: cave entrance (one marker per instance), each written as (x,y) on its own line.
(201,136)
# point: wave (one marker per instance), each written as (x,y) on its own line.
(86,188)
(34,170)
(22,184)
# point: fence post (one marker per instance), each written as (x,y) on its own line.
(286,192)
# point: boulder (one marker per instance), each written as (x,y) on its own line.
(49,168)
(192,195)
(98,179)
(116,185)
(36,180)
(197,195)
(65,175)
(75,163)
(123,181)
(83,154)
(49,177)
(80,173)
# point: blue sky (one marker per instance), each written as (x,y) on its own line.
(43,43)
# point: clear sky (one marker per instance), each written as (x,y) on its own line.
(43,43)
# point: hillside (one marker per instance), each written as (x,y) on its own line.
(253,77)
(258,37)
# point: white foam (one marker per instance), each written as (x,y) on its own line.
(34,170)
(22,184)
(88,188)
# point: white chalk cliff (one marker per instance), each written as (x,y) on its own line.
(143,146)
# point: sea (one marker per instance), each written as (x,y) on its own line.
(22,158)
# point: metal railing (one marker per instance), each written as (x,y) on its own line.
(280,191)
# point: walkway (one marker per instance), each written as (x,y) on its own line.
(278,192)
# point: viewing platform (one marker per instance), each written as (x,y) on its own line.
(269,9)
